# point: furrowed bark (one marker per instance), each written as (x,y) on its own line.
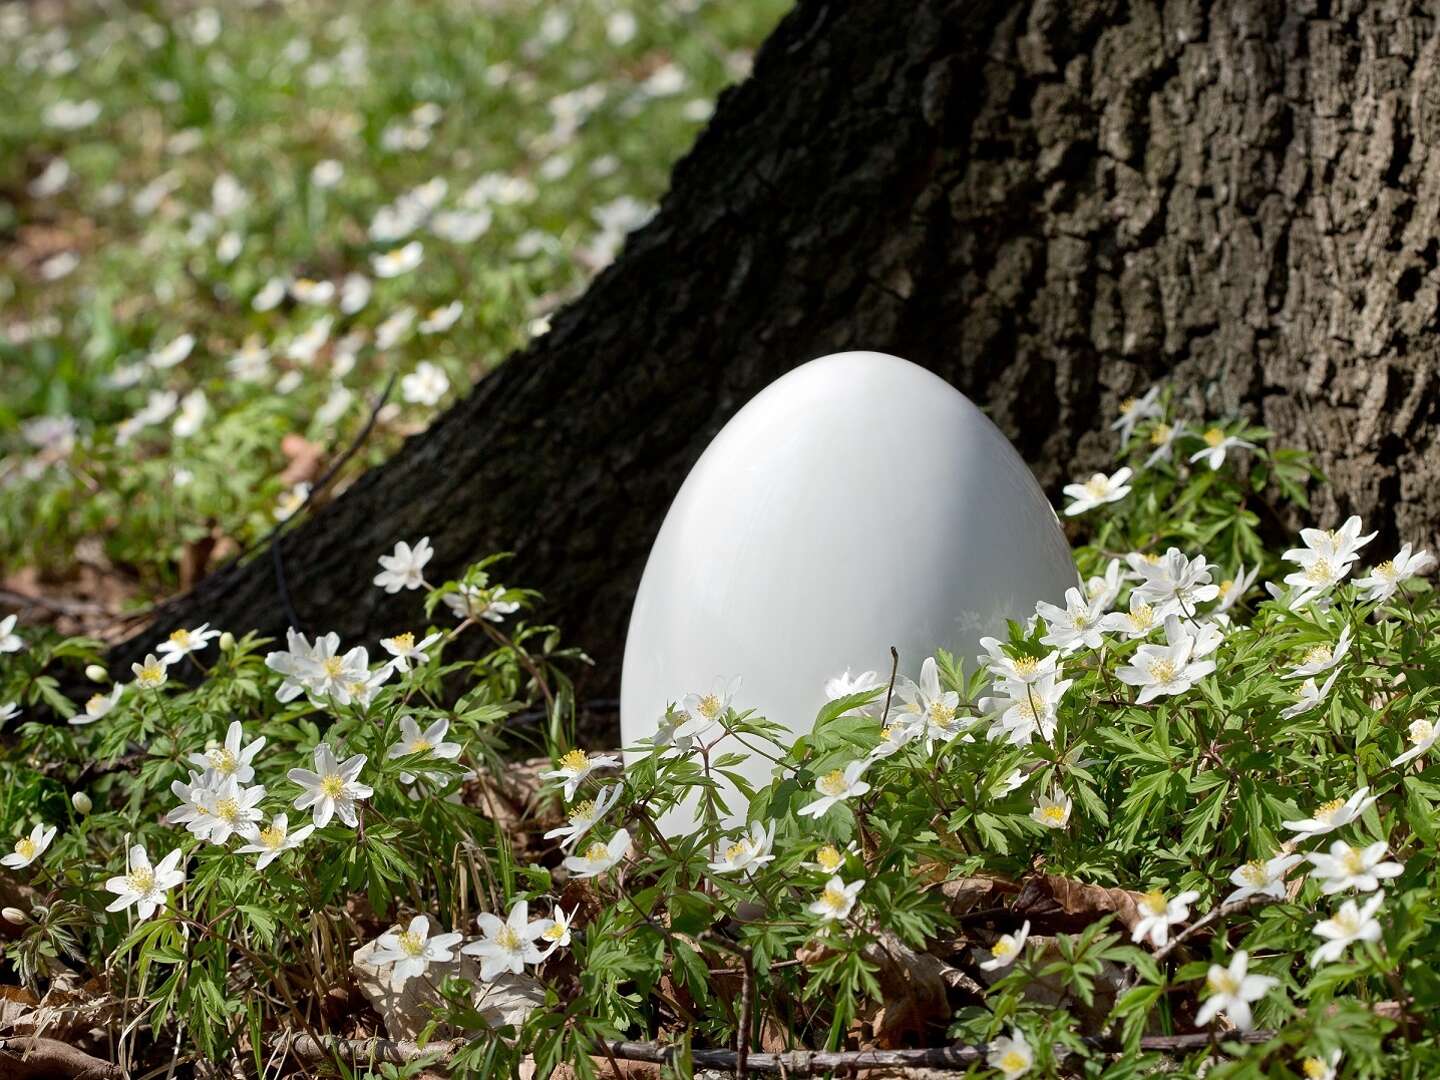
(1052,204)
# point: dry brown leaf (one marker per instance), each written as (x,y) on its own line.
(305,458)
(1058,899)
(912,988)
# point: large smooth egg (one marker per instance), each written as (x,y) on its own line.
(856,503)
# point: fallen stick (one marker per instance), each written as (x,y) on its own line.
(48,1059)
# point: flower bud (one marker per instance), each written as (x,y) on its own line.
(82,803)
(96,673)
(14,915)
(227,641)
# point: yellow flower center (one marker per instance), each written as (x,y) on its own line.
(834,899)
(151,675)
(1054,813)
(1254,873)
(1128,405)
(403,642)
(26,848)
(1013,1061)
(1320,572)
(1227,585)
(1162,671)
(227,810)
(1222,982)
(1142,617)
(181,638)
(597,853)
(1319,654)
(1421,731)
(222,760)
(737,850)
(1152,558)
(96,702)
(575,761)
(333,786)
(141,880)
(1154,902)
(554,932)
(1328,810)
(420,746)
(1098,485)
(583,813)
(272,838)
(1161,435)
(828,858)
(941,715)
(507,938)
(1348,923)
(333,665)
(1214,436)
(1026,665)
(412,943)
(1314,1068)
(709,706)
(1353,861)
(886,732)
(1386,570)
(1003,948)
(438,313)
(304,284)
(833,783)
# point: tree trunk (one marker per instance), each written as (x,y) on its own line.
(1051,204)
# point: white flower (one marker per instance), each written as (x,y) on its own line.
(1232,589)
(274,840)
(1097,491)
(461,226)
(1325,559)
(413,950)
(354,293)
(29,848)
(575,767)
(930,708)
(431,741)
(194,795)
(290,502)
(229,810)
(1007,949)
(299,661)
(706,710)
(1157,915)
(1217,443)
(310,291)
(1138,622)
(1309,696)
(99,706)
(508,945)
(1232,989)
(1103,591)
(893,736)
(599,858)
(1334,814)
(1322,657)
(1383,580)
(171,354)
(52,179)
(150,673)
(1026,710)
(1423,734)
(1172,582)
(9,640)
(1346,867)
(474,602)
(342,679)
(1348,925)
(306,346)
(397,261)
(426,385)
(71,115)
(584,816)
(394,328)
(1258,878)
(836,900)
(405,567)
(405,649)
(8,711)
(1016,669)
(251,362)
(270,294)
(748,852)
(1134,410)
(1052,811)
(837,786)
(1162,670)
(231,758)
(556,932)
(326,174)
(1072,627)
(845,685)
(227,197)
(182,642)
(1314,1068)
(144,885)
(441,318)
(1162,438)
(1011,1055)
(332,788)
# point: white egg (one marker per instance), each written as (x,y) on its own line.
(858,502)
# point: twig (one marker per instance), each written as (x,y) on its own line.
(890,690)
(48,1059)
(747,1001)
(1214,915)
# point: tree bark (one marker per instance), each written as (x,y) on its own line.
(1052,204)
